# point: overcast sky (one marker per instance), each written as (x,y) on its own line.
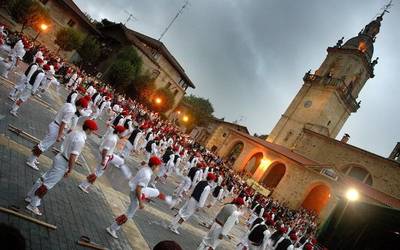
(249,56)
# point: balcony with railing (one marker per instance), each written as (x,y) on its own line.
(343,90)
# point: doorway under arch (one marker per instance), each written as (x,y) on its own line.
(253,163)
(274,175)
(317,198)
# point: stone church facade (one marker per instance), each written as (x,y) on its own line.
(301,162)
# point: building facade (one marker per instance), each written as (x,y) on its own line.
(157,60)
(65,13)
(301,163)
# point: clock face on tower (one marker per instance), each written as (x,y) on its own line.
(307,104)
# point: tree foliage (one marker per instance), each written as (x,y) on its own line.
(125,69)
(121,73)
(200,108)
(90,50)
(28,12)
(69,39)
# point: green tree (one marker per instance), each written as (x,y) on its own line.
(130,54)
(125,70)
(200,108)
(28,13)
(90,50)
(69,39)
(121,74)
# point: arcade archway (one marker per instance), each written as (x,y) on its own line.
(253,163)
(273,175)
(317,198)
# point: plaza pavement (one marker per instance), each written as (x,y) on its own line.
(72,211)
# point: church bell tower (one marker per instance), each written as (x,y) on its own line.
(329,95)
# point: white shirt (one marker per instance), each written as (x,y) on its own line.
(109,143)
(204,196)
(142,178)
(105,104)
(65,114)
(91,90)
(38,80)
(31,71)
(230,222)
(73,143)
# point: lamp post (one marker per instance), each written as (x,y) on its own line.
(351,196)
(42,27)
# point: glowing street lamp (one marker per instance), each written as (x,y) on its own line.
(352,194)
(158,100)
(42,27)
(185,118)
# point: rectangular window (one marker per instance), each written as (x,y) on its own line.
(71,23)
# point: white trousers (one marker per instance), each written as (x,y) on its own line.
(50,178)
(211,239)
(19,86)
(100,169)
(130,211)
(50,138)
(183,186)
(188,209)
(119,162)
(5,67)
(127,149)
(26,92)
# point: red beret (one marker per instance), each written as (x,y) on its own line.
(87,97)
(308,246)
(283,230)
(119,129)
(83,102)
(293,237)
(155,161)
(176,148)
(239,201)
(39,60)
(46,67)
(125,112)
(313,241)
(270,222)
(211,177)
(91,124)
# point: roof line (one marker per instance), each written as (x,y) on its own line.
(79,12)
(161,48)
(350,146)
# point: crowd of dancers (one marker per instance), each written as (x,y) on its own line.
(165,153)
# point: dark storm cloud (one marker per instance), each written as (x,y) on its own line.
(249,56)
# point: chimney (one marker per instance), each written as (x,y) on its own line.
(395,155)
(345,138)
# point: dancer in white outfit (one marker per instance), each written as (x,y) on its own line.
(63,163)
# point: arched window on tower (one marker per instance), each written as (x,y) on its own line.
(358,173)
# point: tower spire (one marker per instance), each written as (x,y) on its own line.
(372,29)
